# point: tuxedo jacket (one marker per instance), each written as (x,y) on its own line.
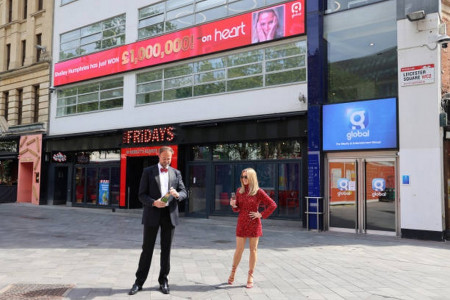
(150,191)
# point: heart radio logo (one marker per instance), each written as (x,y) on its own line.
(296,9)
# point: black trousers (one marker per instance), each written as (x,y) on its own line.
(148,244)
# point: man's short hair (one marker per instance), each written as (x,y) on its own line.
(164,149)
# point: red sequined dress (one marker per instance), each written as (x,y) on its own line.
(246,227)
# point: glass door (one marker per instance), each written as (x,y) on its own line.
(197,190)
(342,194)
(60,196)
(362,194)
(380,194)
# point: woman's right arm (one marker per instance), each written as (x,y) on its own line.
(236,208)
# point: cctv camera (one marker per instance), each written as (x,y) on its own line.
(443,39)
(51,89)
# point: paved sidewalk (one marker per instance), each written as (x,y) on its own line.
(96,252)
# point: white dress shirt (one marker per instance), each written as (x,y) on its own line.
(164,180)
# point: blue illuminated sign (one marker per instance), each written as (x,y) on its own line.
(360,125)
(405,179)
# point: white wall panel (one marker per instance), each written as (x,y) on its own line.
(420,156)
(249,103)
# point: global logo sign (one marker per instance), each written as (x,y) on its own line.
(378,186)
(359,125)
(358,122)
(343,186)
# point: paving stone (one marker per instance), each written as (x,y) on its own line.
(97,251)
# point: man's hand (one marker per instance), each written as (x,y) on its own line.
(174,192)
(159,204)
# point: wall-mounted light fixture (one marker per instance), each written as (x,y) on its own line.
(416,15)
(301,97)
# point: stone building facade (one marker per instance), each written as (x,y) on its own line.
(25,63)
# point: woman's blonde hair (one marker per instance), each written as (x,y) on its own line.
(252,182)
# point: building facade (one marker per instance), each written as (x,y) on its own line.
(382,137)
(194,75)
(338,107)
(25,62)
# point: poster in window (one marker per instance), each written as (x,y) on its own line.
(103,192)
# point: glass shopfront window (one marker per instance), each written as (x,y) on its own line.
(8,171)
(8,180)
(362,52)
(278,165)
(97,185)
(97,181)
(259,150)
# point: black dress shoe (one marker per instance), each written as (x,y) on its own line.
(134,289)
(164,288)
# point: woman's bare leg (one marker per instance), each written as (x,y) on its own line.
(240,245)
(252,261)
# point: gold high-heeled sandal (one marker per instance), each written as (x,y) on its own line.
(231,278)
(250,279)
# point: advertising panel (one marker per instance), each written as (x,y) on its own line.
(238,31)
(103,192)
(360,125)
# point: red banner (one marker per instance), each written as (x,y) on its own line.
(260,26)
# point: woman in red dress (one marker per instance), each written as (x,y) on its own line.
(248,198)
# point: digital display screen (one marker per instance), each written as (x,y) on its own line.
(360,125)
(242,30)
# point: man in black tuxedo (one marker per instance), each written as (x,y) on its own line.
(156,181)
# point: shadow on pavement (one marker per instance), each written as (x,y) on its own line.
(93,293)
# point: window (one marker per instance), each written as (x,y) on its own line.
(257,151)
(90,97)
(63,2)
(172,15)
(98,182)
(8,172)
(10,8)
(278,165)
(25,8)
(40,5)
(24,49)
(266,67)
(19,106)
(38,42)
(8,56)
(336,6)
(36,103)
(362,53)
(6,105)
(95,37)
